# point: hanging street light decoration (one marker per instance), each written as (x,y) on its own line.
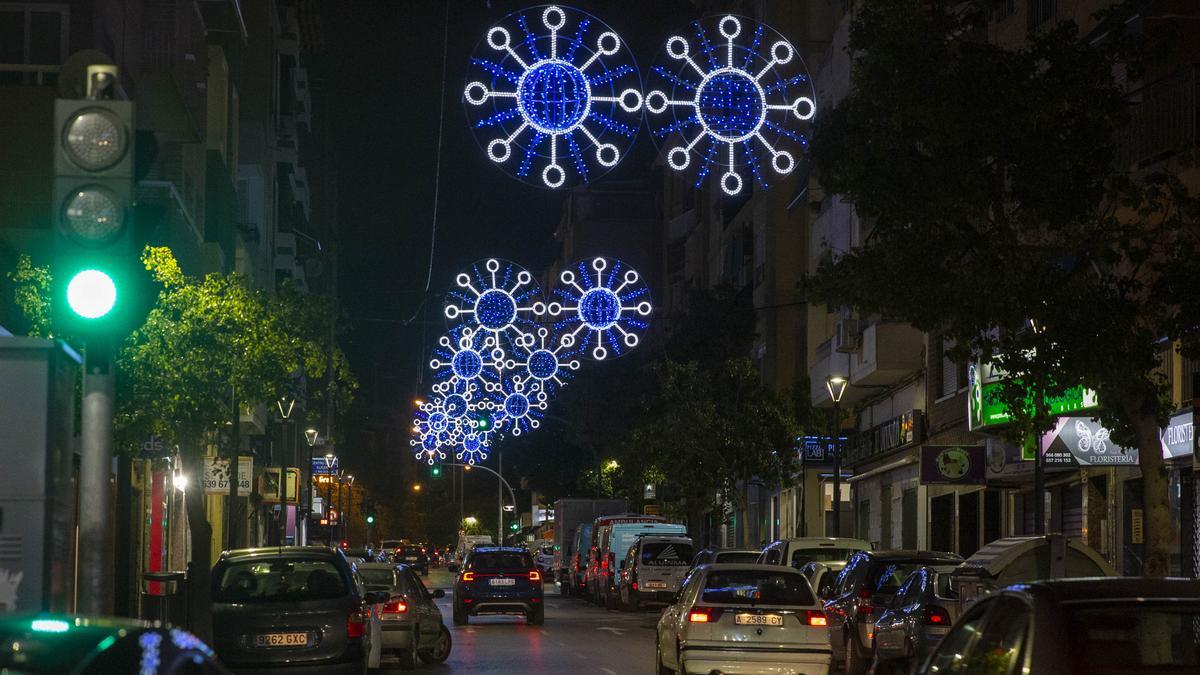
(554,96)
(733,95)
(603,308)
(497,297)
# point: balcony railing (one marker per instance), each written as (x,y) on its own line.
(28,75)
(1162,120)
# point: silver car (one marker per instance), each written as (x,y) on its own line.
(918,618)
(412,625)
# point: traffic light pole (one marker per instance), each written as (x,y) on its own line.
(95,468)
(512,495)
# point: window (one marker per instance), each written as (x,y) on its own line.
(955,647)
(949,370)
(1134,637)
(501,560)
(279,580)
(377,579)
(773,556)
(996,650)
(666,553)
(33,33)
(757,586)
(802,556)
(1041,11)
(910,590)
(747,557)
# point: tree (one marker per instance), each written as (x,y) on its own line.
(993,202)
(31,295)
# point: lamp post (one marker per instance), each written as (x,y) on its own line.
(312,437)
(1039,467)
(329,503)
(836,385)
(286,405)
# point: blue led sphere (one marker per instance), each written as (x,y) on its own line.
(516,405)
(731,105)
(438,421)
(555,96)
(429,442)
(599,309)
(543,364)
(467,364)
(495,309)
(455,405)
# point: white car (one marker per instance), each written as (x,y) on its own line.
(738,618)
(797,552)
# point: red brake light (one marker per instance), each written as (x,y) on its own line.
(937,616)
(396,606)
(604,564)
(356,624)
(468,576)
(535,576)
(816,618)
(698,617)
(633,585)
(864,598)
(704,614)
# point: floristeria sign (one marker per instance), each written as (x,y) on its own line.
(1083,441)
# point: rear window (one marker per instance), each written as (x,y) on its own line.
(500,560)
(279,580)
(666,553)
(738,557)
(802,556)
(886,577)
(1133,637)
(409,550)
(377,579)
(758,587)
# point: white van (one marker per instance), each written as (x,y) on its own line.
(615,543)
(653,571)
(797,552)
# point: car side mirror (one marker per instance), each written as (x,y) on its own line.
(438,593)
(376,597)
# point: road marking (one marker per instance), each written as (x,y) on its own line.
(610,672)
(613,630)
(543,632)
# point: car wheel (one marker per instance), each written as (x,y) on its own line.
(460,617)
(659,667)
(408,655)
(537,617)
(440,650)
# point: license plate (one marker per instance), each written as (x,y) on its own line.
(656,584)
(758,620)
(503,581)
(281,640)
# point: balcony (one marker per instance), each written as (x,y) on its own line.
(881,355)
(1162,120)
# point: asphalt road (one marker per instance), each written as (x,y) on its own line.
(577,638)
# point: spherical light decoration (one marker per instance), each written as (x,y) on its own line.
(730,93)
(468,354)
(553,96)
(602,307)
(94,215)
(91,294)
(518,404)
(496,298)
(95,139)
(474,448)
(543,360)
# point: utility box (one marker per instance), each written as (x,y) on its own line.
(37,482)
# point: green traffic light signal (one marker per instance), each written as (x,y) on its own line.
(435,471)
(370,519)
(91,294)
(483,422)
(514,527)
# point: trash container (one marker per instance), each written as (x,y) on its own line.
(163,597)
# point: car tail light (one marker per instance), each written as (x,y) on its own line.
(356,624)
(936,616)
(864,602)
(633,585)
(704,614)
(535,576)
(468,576)
(395,606)
(815,618)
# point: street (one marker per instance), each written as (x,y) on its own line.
(577,636)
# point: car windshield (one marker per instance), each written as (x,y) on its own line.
(757,587)
(1129,637)
(737,556)
(666,553)
(279,580)
(500,560)
(824,554)
(377,579)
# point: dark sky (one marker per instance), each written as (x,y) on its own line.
(387,59)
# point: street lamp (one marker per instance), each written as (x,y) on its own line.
(416,487)
(312,436)
(286,405)
(836,386)
(470,520)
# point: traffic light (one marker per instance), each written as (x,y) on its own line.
(95,252)
(514,526)
(435,471)
(483,422)
(370,518)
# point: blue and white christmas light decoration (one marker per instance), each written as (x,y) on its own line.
(602,308)
(726,86)
(542,360)
(496,297)
(553,91)
(468,355)
(518,403)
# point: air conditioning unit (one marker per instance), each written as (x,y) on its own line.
(847,338)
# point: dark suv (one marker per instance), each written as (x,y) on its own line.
(862,591)
(294,609)
(499,580)
(413,555)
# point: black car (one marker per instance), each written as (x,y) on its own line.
(499,580)
(413,555)
(1097,626)
(293,609)
(89,645)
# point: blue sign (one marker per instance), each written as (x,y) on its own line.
(324,466)
(818,449)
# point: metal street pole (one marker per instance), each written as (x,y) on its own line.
(231,519)
(95,468)
(837,470)
(328,508)
(500,499)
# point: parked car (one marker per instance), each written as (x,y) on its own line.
(796,552)
(51,644)
(498,580)
(653,570)
(412,625)
(362,555)
(918,618)
(1103,626)
(715,554)
(413,555)
(863,589)
(822,576)
(578,562)
(743,618)
(543,556)
(615,541)
(296,608)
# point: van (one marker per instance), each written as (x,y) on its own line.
(798,552)
(653,571)
(595,573)
(615,541)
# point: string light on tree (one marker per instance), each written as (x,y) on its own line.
(551,92)
(742,99)
(603,308)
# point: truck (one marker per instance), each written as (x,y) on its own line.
(570,514)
